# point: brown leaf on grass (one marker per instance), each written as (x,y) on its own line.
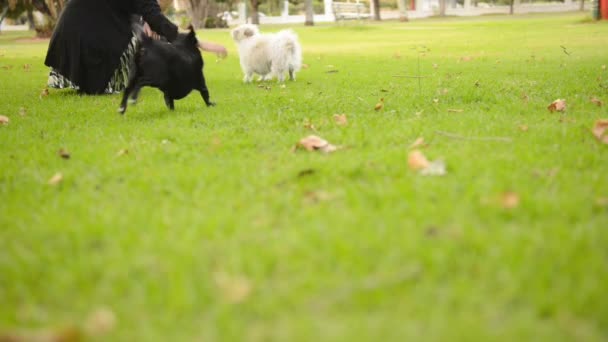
(233,289)
(601,202)
(65,334)
(310,126)
(455,110)
(122,152)
(525,97)
(56,179)
(596,101)
(417,161)
(315,143)
(558,105)
(604,67)
(63,153)
(314,197)
(466,59)
(379,105)
(435,101)
(600,130)
(523,128)
(340,119)
(305,66)
(435,65)
(419,142)
(397,55)
(100,322)
(27,67)
(22,111)
(44,93)
(566,120)
(509,200)
(4,120)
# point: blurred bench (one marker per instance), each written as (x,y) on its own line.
(350,10)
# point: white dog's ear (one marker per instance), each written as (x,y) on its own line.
(248,32)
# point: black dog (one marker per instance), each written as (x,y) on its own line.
(175,68)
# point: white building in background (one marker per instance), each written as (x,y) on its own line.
(423,9)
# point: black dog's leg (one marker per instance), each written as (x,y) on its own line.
(205,92)
(135,95)
(125,96)
(169,101)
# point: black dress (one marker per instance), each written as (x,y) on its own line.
(91,36)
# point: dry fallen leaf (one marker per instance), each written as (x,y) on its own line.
(233,289)
(417,143)
(305,66)
(341,119)
(558,105)
(4,120)
(525,97)
(27,67)
(315,143)
(63,153)
(523,128)
(435,100)
(603,67)
(122,152)
(601,202)
(600,130)
(309,125)
(56,179)
(455,110)
(379,105)
(435,66)
(313,197)
(466,58)
(44,93)
(22,111)
(596,101)
(417,161)
(509,200)
(100,322)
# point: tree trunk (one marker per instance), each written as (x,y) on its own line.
(442,6)
(197,11)
(582,5)
(30,19)
(376,10)
(402,5)
(3,15)
(310,14)
(511,7)
(255,17)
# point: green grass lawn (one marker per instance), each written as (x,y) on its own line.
(201,224)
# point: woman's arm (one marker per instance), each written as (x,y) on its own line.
(150,11)
(218,49)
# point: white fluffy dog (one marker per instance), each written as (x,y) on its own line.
(267,55)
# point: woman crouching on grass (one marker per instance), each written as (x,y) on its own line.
(93,44)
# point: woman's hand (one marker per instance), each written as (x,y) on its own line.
(218,49)
(148,31)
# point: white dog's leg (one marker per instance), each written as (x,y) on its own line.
(292,74)
(248,77)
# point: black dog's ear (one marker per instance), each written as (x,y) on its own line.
(192,34)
